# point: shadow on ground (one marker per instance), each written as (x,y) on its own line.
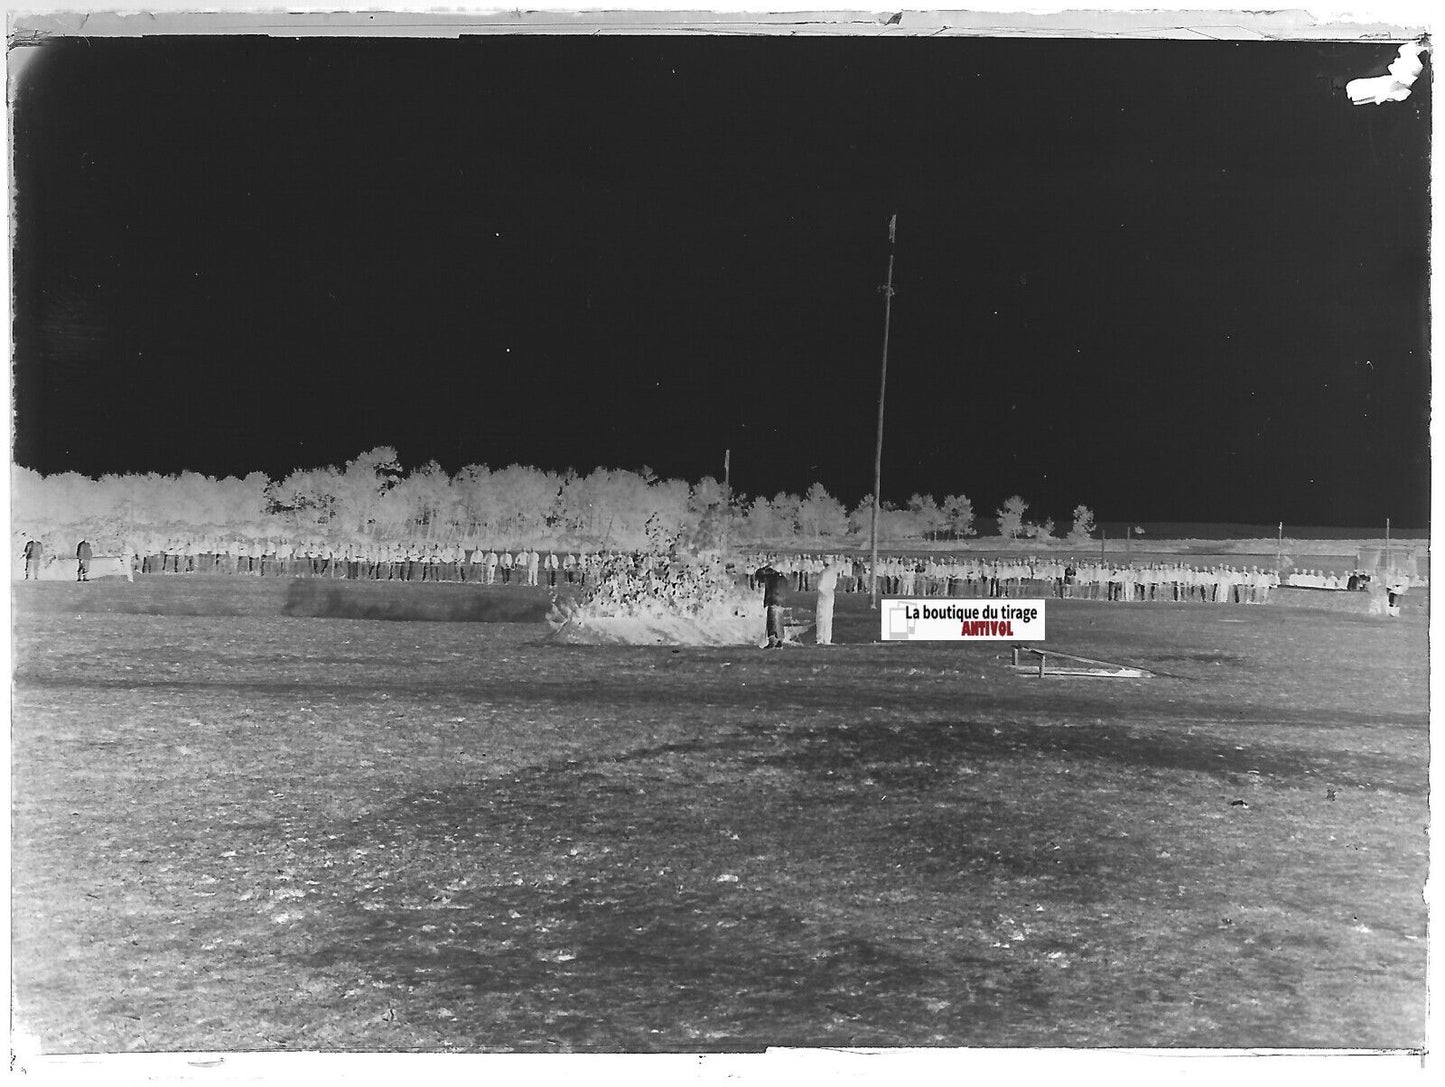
(407,601)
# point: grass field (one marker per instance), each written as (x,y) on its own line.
(241,829)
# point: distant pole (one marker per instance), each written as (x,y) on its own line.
(1103,536)
(882,387)
(727,498)
(1389,561)
(1128,539)
(1279,549)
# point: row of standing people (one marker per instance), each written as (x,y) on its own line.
(944,575)
(1031,576)
(365,561)
(380,562)
(359,561)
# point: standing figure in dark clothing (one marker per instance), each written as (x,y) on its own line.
(34,553)
(83,555)
(775,586)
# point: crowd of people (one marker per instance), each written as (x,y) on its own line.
(362,560)
(1032,576)
(642,579)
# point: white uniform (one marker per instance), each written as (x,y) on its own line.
(827,583)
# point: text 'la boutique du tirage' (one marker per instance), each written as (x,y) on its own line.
(923,620)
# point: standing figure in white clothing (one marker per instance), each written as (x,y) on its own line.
(826,584)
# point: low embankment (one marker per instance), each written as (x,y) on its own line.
(317,598)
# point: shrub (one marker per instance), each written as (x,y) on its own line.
(656,585)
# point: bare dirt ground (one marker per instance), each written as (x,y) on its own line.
(245,821)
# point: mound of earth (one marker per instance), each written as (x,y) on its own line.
(660,630)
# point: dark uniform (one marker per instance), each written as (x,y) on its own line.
(34,552)
(775,587)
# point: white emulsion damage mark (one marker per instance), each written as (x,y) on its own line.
(1395,87)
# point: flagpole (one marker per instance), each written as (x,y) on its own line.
(727,499)
(882,388)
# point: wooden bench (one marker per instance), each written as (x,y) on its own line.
(1100,669)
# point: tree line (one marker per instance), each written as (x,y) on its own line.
(372,495)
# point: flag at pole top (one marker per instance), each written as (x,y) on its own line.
(892,227)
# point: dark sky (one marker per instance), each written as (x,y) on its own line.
(1174,281)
